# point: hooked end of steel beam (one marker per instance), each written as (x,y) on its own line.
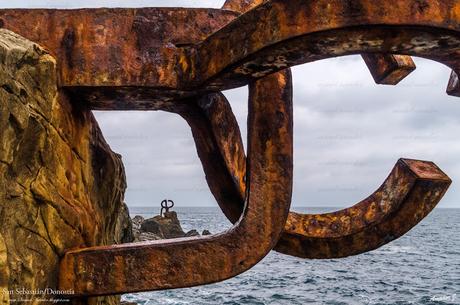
(426,170)
(454,85)
(389,69)
(409,194)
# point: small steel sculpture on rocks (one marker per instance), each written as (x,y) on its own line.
(178,60)
(165,206)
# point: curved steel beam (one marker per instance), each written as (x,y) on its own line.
(145,58)
(196,261)
(117,47)
(293,32)
(220,148)
(410,192)
(386,69)
(313,236)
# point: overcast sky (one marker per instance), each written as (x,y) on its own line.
(349,132)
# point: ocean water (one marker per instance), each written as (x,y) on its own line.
(422,267)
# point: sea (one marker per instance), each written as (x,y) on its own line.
(422,267)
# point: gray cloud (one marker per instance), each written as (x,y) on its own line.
(349,132)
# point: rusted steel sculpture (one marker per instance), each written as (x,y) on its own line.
(165,206)
(178,60)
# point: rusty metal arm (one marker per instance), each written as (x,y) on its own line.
(144,58)
(348,224)
(386,69)
(190,262)
(118,48)
(329,235)
(245,50)
(220,148)
(407,196)
(410,192)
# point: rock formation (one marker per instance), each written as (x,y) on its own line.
(166,227)
(61,186)
(161,227)
(158,227)
(192,233)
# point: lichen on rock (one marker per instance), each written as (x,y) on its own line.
(61,187)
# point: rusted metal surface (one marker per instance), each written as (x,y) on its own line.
(241,6)
(305,31)
(187,262)
(220,149)
(165,206)
(117,47)
(116,55)
(389,69)
(335,244)
(386,69)
(411,191)
(373,222)
(178,60)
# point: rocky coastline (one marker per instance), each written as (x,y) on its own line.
(160,227)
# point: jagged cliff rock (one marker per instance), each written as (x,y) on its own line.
(166,226)
(61,186)
(160,227)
